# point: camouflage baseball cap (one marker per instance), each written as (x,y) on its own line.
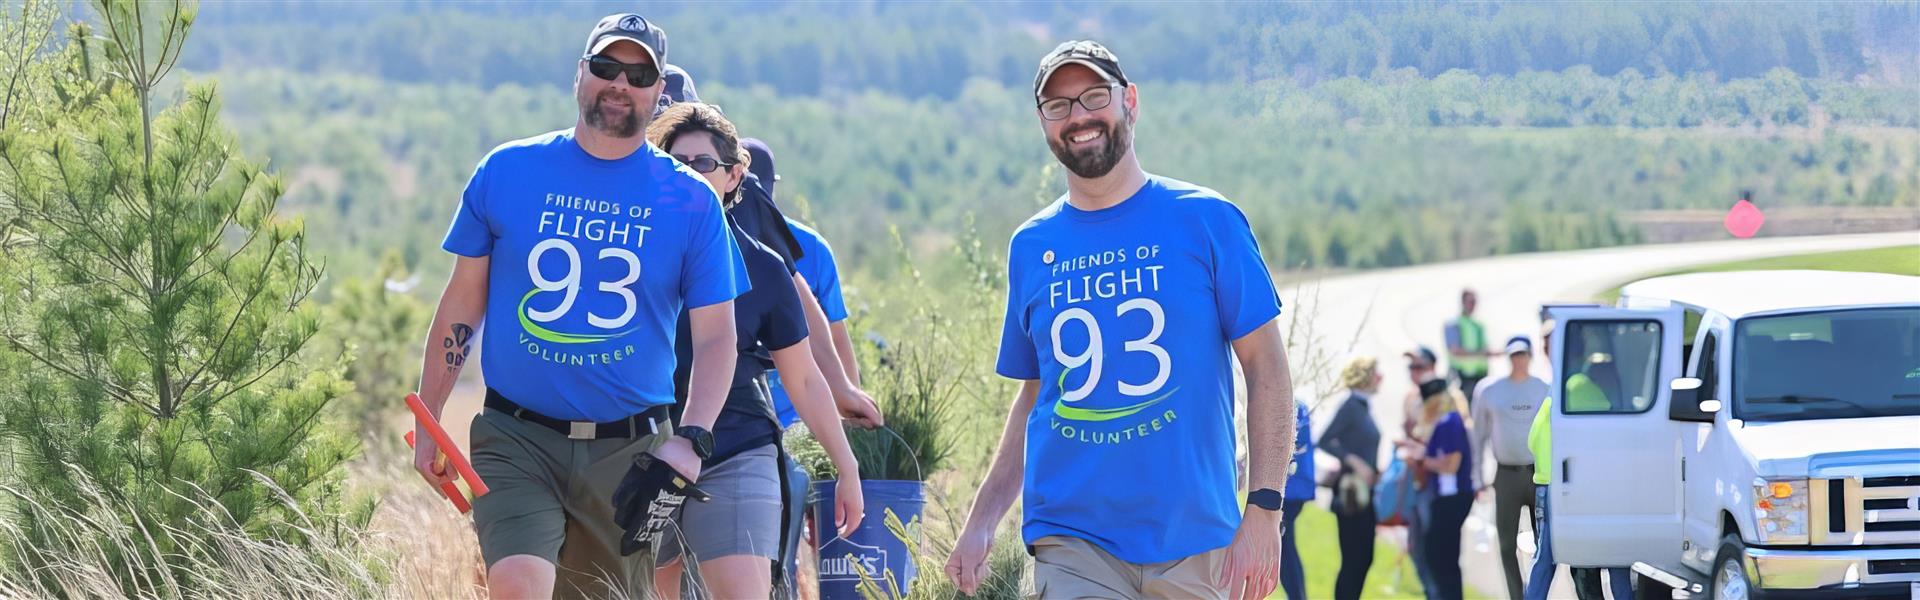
(1086,53)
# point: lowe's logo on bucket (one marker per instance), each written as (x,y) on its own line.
(843,560)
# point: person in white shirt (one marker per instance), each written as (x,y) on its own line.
(1502,412)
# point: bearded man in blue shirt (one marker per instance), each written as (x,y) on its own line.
(1126,298)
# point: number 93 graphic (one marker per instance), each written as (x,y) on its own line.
(1094,357)
(569,283)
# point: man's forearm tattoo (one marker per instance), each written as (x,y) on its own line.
(458,345)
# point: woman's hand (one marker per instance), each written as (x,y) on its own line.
(849,503)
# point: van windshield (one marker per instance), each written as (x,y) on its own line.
(1828,365)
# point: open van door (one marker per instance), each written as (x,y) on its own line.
(1615,497)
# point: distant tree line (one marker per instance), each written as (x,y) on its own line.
(1350,173)
(918,49)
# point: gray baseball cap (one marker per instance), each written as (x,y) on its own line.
(630,27)
(1086,53)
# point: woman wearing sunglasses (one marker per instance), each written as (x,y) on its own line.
(735,537)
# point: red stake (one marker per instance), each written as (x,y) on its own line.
(454,495)
(447,447)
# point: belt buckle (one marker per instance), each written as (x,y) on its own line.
(581,430)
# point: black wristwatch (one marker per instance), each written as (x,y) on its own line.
(701,438)
(1265,498)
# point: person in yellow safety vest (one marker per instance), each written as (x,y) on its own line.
(1467,352)
(1583,395)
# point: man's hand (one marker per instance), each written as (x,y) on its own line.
(426,459)
(858,408)
(678,452)
(968,564)
(1252,569)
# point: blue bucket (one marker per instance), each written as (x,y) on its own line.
(874,549)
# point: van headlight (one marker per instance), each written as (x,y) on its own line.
(1780,510)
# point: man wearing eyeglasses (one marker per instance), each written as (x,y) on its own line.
(600,240)
(1124,298)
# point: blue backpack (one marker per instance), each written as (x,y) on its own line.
(1393,496)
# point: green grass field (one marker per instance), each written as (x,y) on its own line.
(1898,260)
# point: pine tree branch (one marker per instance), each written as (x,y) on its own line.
(171,44)
(126,268)
(117,263)
(296,436)
(132,203)
(207,123)
(215,351)
(68,228)
(26,58)
(119,393)
(284,358)
(195,280)
(81,270)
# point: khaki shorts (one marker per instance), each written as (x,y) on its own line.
(742,518)
(552,497)
(1070,568)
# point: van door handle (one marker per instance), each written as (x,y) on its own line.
(1565,474)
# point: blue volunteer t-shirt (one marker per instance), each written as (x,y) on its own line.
(1124,315)
(592,261)
(816,264)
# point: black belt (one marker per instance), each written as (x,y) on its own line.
(629,427)
(1516,467)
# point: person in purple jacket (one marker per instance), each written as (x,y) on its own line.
(1442,444)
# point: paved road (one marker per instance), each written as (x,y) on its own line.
(1391,311)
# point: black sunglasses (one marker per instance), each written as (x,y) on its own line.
(1054,109)
(703,164)
(639,76)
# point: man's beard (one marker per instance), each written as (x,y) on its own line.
(624,126)
(1098,161)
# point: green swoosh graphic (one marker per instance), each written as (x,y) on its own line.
(555,336)
(1060,409)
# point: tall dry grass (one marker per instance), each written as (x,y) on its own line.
(417,547)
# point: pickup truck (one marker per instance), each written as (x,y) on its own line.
(1742,435)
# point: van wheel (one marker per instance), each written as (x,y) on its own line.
(1730,578)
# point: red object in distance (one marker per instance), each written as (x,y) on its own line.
(1745,219)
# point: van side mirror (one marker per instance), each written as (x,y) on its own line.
(1685,403)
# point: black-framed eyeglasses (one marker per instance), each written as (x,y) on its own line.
(641,75)
(703,164)
(1054,109)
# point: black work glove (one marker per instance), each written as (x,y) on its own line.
(644,503)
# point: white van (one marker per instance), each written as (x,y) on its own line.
(1743,435)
